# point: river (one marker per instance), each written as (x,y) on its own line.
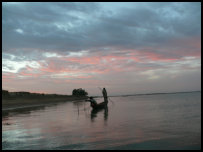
(161,121)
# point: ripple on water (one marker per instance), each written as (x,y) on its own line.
(142,122)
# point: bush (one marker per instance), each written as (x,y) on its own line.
(5,93)
(79,92)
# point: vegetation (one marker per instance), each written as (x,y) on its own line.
(79,92)
(18,99)
(76,92)
(5,93)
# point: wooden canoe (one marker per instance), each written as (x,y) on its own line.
(99,106)
(103,104)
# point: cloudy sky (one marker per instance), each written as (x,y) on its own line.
(125,47)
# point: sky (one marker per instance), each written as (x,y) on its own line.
(127,47)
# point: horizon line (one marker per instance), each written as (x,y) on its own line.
(117,95)
(151,93)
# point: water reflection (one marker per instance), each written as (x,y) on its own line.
(147,122)
(81,107)
(94,113)
(27,110)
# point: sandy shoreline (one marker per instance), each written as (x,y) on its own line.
(24,102)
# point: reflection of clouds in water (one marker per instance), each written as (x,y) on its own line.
(135,120)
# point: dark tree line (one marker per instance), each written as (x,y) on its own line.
(5,93)
(79,92)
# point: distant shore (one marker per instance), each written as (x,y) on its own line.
(12,102)
(15,100)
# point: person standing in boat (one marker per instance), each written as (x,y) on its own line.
(105,95)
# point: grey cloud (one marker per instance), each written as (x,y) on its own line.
(88,26)
(39,23)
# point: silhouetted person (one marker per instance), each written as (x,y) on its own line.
(105,95)
(92,101)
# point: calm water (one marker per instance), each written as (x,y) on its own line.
(170,121)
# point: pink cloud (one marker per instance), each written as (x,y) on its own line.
(83,60)
(8,75)
(84,69)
